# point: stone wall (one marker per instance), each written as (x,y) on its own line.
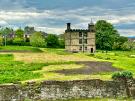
(62,90)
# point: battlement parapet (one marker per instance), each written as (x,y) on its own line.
(77,30)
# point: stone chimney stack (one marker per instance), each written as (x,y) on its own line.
(68,26)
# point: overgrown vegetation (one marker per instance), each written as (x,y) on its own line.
(124,76)
(13,71)
(95,99)
(42,66)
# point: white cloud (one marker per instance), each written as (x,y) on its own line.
(47,20)
(51,30)
(2,22)
(127,32)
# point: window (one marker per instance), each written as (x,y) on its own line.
(85,48)
(80,41)
(80,48)
(85,41)
(85,34)
(80,34)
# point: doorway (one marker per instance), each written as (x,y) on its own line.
(92,50)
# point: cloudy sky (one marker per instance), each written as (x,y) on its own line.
(52,15)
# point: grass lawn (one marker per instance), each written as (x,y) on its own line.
(19,49)
(23,66)
(124,60)
(93,99)
(99,99)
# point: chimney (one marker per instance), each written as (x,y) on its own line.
(68,26)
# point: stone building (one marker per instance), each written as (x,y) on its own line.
(80,40)
(132,39)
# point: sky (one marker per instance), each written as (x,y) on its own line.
(51,16)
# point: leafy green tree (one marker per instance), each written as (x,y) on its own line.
(7,33)
(37,40)
(119,43)
(106,35)
(19,32)
(1,41)
(52,41)
(127,46)
(29,30)
(61,41)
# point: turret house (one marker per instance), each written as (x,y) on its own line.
(80,40)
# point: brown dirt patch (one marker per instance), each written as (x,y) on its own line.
(90,67)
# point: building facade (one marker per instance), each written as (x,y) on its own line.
(80,40)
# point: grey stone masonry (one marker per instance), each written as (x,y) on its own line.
(52,90)
(80,40)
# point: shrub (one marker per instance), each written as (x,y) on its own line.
(9,41)
(122,75)
(37,40)
(92,54)
(125,76)
(52,41)
(18,41)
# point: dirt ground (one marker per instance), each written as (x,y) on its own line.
(90,67)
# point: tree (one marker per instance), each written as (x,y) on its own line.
(1,41)
(8,35)
(19,32)
(37,40)
(127,46)
(29,30)
(119,43)
(6,31)
(106,35)
(61,41)
(52,41)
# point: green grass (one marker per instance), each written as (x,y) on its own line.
(95,99)
(120,59)
(20,48)
(14,71)
(41,66)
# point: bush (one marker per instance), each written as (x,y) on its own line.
(18,41)
(125,76)
(122,75)
(9,41)
(37,40)
(61,43)
(52,41)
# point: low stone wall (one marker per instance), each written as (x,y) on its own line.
(51,90)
